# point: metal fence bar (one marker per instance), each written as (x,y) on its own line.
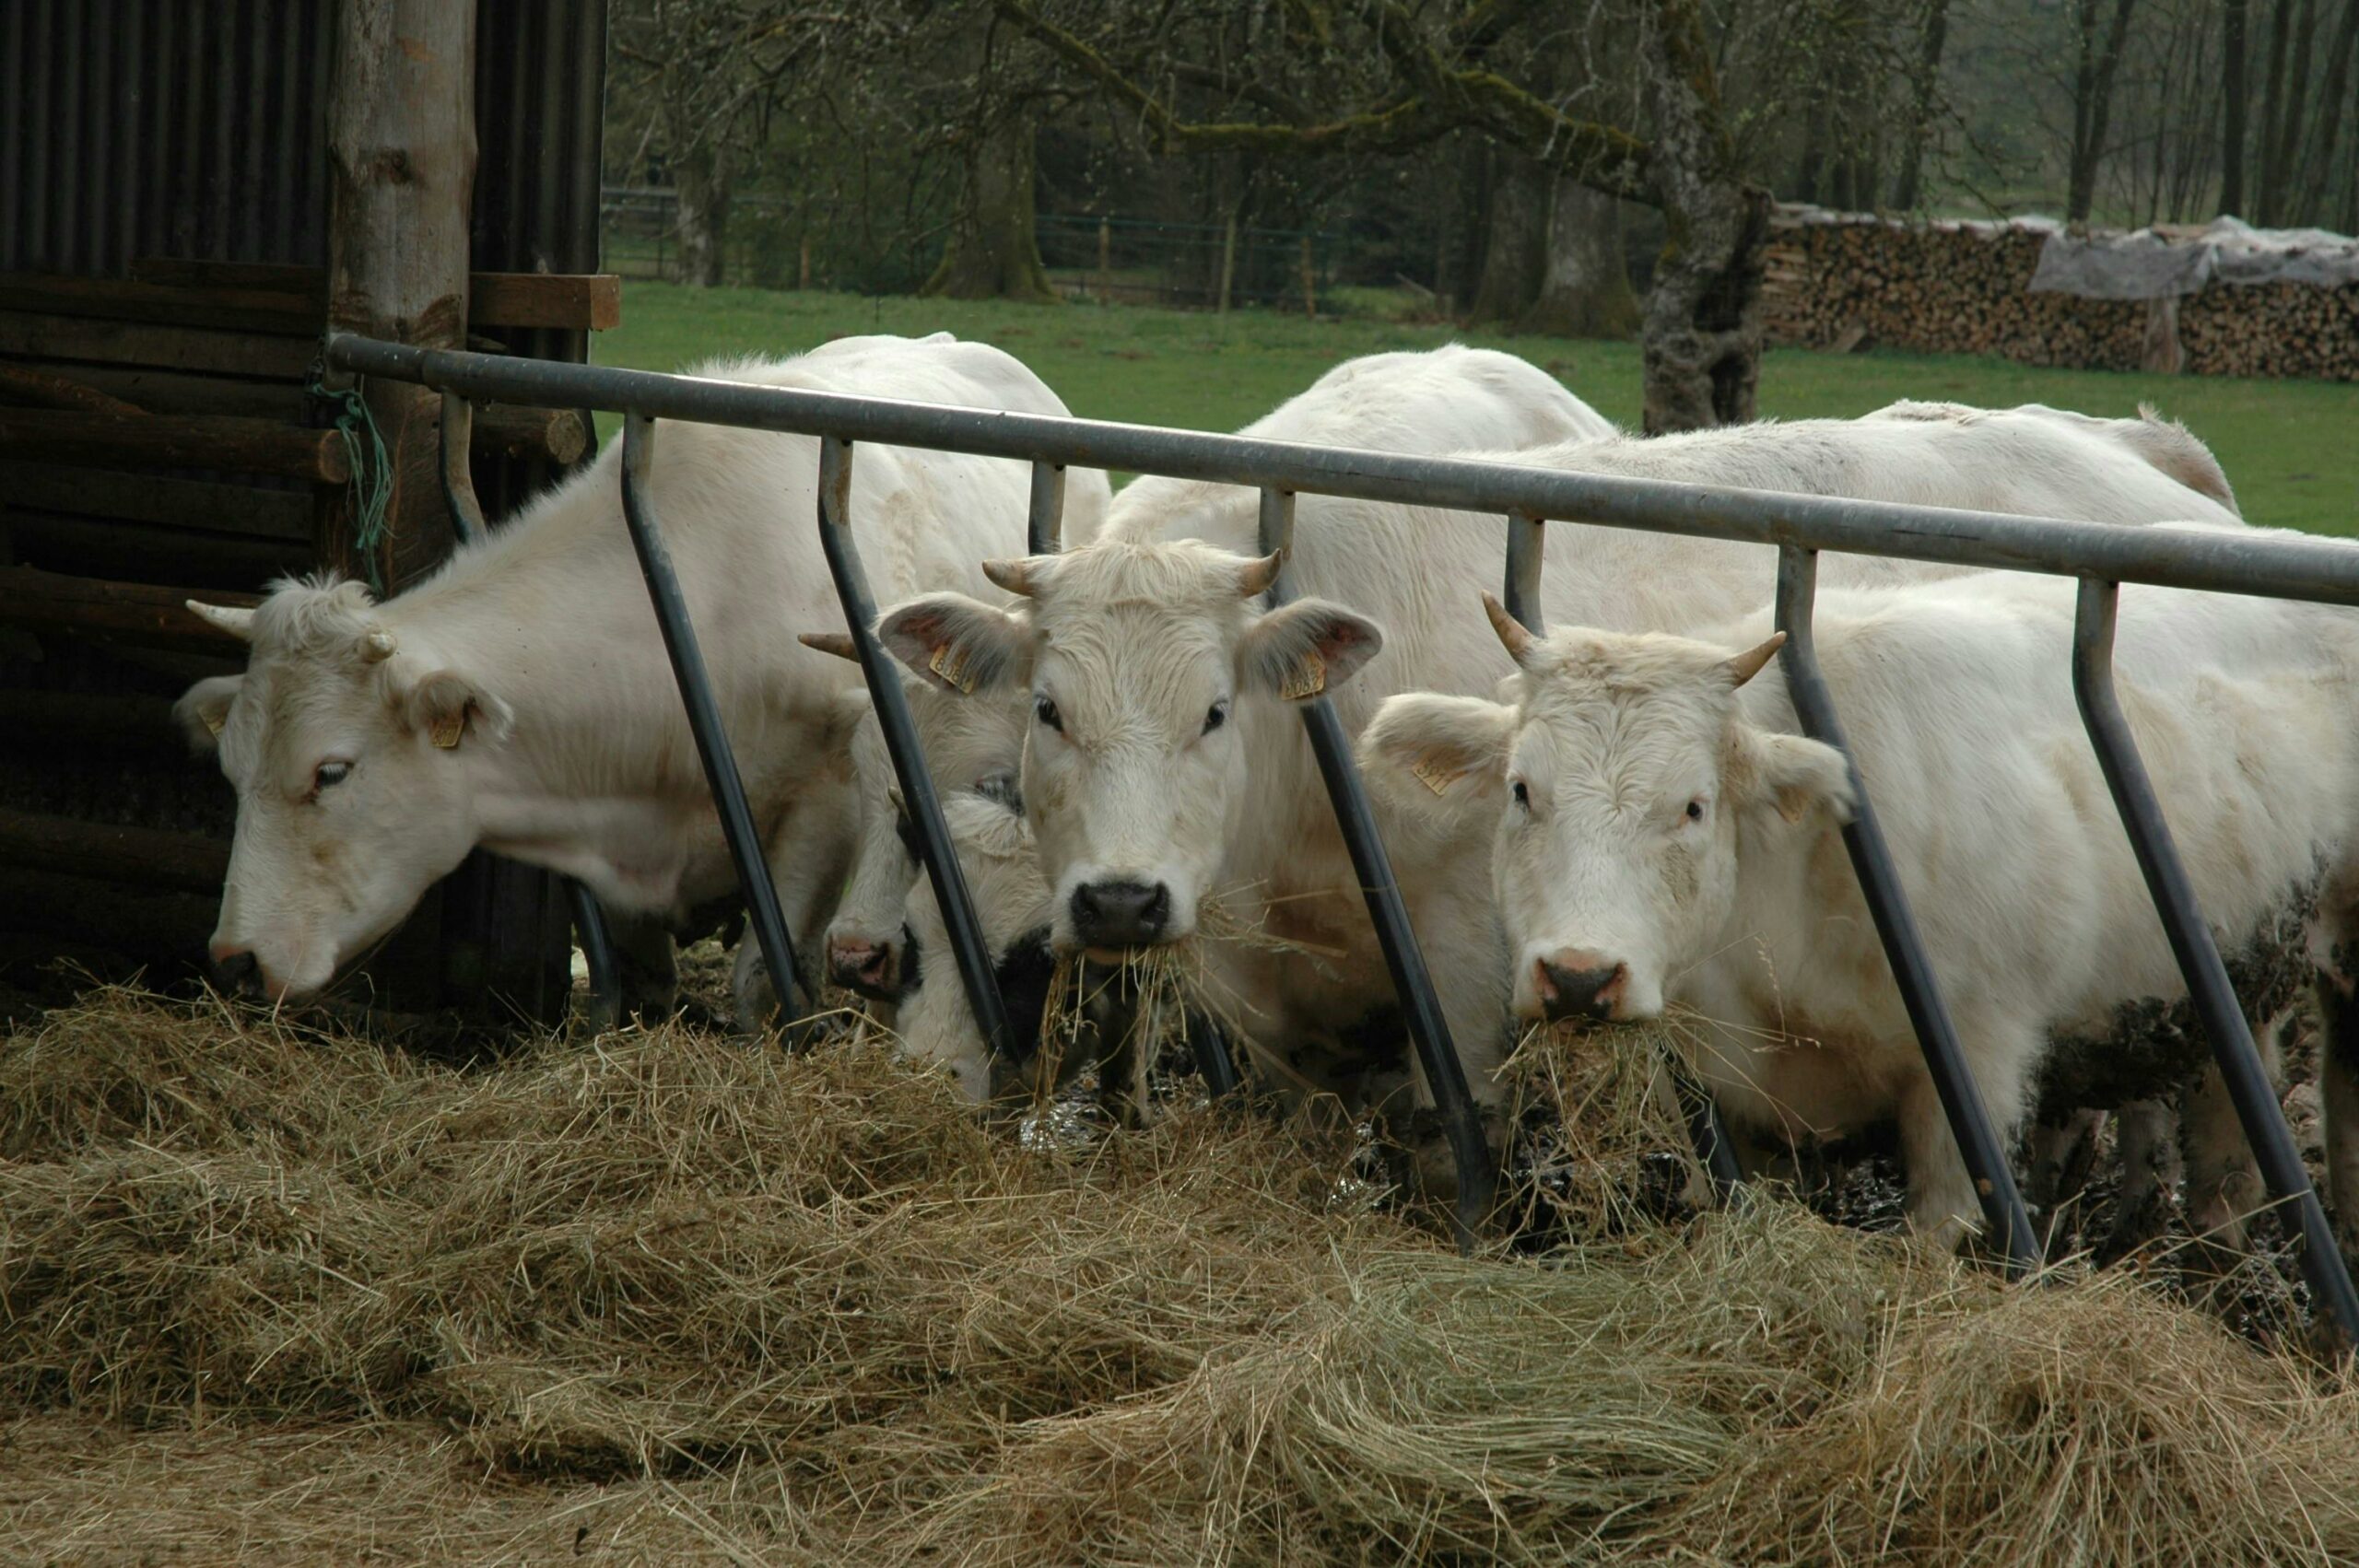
(457,433)
(1044,520)
(2218,560)
(1428,1032)
(1985,1161)
(704,715)
(923,805)
(1527,552)
(2208,988)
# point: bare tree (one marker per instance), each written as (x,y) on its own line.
(2235,86)
(2096,66)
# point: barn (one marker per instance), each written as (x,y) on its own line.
(191,193)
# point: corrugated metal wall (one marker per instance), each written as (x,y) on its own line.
(196,129)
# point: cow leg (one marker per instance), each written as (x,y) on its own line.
(2057,1171)
(647,963)
(2339,1110)
(2142,1135)
(1942,1204)
(2223,1183)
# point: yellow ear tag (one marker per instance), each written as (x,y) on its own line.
(949,662)
(1308,678)
(1435,773)
(449,728)
(215,722)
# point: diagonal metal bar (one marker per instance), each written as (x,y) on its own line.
(704,715)
(1428,1032)
(967,948)
(1986,1159)
(2208,988)
(605,1009)
(1527,550)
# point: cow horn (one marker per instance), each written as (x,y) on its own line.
(377,645)
(1514,636)
(235,620)
(1744,666)
(838,643)
(1013,576)
(1255,577)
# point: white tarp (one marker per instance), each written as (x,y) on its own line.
(2166,260)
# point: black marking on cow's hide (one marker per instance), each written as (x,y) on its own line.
(2150,1049)
(1026,971)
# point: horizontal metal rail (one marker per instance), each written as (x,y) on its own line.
(2208,988)
(2009,1226)
(2221,561)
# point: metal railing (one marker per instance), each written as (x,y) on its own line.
(2102,556)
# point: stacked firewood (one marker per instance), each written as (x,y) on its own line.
(1843,280)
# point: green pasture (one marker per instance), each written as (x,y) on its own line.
(2291,448)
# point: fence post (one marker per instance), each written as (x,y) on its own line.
(1227,260)
(1310,283)
(1105,261)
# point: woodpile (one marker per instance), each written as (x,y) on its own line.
(1962,288)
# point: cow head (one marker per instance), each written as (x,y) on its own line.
(1619,788)
(1135,656)
(349,755)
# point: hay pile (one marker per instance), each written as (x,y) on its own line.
(664,1297)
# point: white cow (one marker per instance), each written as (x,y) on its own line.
(1657,834)
(1435,401)
(518,699)
(1164,760)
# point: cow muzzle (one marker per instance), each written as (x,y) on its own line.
(1118,913)
(238,973)
(870,968)
(1580,985)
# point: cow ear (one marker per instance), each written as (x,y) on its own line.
(445,707)
(1424,748)
(1306,650)
(960,644)
(204,709)
(1797,778)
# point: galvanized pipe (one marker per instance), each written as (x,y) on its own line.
(2208,988)
(605,1009)
(918,797)
(1526,544)
(1986,1159)
(1044,519)
(1428,1031)
(704,715)
(2220,560)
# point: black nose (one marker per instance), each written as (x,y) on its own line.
(237,975)
(1581,993)
(1121,914)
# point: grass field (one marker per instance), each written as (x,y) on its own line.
(2291,448)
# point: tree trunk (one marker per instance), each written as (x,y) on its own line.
(2290,90)
(2093,102)
(993,253)
(1518,239)
(1584,286)
(2236,77)
(2319,161)
(1923,84)
(1701,350)
(702,178)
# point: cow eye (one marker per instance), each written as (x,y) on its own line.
(1046,712)
(1522,796)
(1216,716)
(1696,811)
(328,775)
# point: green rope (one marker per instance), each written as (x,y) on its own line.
(372,474)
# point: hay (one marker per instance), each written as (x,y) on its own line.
(699,1301)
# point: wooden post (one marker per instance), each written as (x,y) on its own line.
(400,171)
(803,275)
(401,174)
(1227,260)
(1105,261)
(1309,287)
